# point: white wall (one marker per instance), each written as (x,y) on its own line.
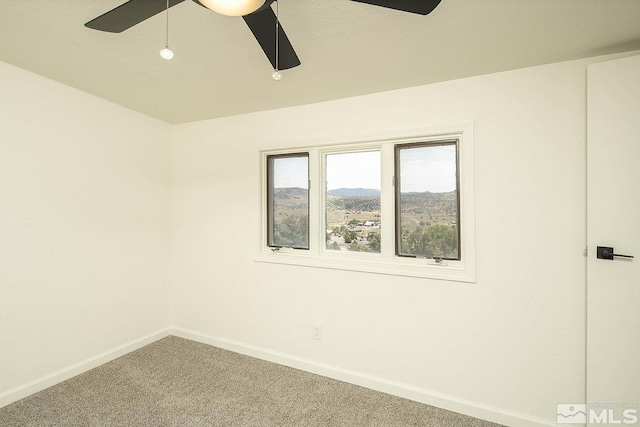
(86,215)
(84,228)
(514,341)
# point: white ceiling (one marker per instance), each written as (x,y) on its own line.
(346,49)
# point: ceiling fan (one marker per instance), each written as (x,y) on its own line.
(261,22)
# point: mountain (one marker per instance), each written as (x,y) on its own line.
(290,200)
(351,192)
(286,192)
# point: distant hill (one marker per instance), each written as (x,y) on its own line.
(290,200)
(291,192)
(430,207)
(351,192)
(419,206)
(411,196)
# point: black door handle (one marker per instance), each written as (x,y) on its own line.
(605,252)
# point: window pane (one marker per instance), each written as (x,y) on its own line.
(288,201)
(353,201)
(427,203)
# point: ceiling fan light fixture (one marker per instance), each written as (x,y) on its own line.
(166,53)
(233,7)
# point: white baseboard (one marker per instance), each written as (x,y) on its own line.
(407,391)
(64,374)
(440,400)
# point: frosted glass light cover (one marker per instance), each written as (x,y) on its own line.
(233,7)
(166,53)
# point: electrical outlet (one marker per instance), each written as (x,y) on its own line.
(316,331)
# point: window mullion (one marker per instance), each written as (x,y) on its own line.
(315,202)
(387,215)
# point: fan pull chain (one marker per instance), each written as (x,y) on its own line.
(167,32)
(276,73)
(167,53)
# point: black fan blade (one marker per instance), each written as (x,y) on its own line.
(263,26)
(422,7)
(129,14)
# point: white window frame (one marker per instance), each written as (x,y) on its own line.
(386,262)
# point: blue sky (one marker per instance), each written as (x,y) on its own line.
(353,170)
(427,168)
(291,172)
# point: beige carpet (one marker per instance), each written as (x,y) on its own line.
(177,382)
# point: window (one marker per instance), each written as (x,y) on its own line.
(427,203)
(400,204)
(288,200)
(352,201)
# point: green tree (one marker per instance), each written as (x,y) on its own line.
(436,240)
(374,243)
(355,247)
(350,236)
(292,231)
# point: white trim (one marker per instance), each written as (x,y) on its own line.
(64,374)
(369,263)
(386,262)
(407,391)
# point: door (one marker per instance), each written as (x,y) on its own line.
(613,221)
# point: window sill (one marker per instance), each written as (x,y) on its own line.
(372,263)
